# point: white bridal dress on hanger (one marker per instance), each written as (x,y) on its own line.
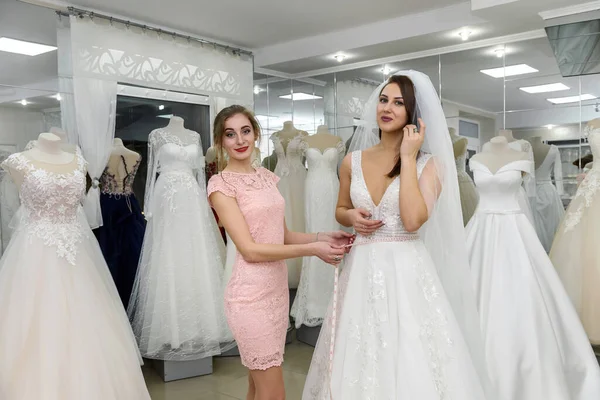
(292,174)
(397,336)
(576,249)
(176,308)
(549,209)
(468,195)
(322,186)
(535,345)
(64,335)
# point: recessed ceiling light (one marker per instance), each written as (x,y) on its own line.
(258,89)
(57,96)
(511,70)
(549,126)
(340,57)
(572,99)
(464,35)
(500,53)
(166,116)
(161,107)
(21,47)
(387,70)
(300,96)
(24,102)
(551,87)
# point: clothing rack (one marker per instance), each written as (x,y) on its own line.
(91,14)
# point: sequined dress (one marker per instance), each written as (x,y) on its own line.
(575,252)
(65,334)
(122,232)
(396,336)
(176,307)
(257,296)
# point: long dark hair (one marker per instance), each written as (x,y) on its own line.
(410,103)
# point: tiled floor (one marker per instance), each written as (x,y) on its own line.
(229,380)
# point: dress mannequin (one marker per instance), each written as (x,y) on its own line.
(323,140)
(497,154)
(468,194)
(48,152)
(288,133)
(270,162)
(176,127)
(459,144)
(508,134)
(540,150)
(66,146)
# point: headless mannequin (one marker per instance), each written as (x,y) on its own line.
(121,161)
(497,154)
(540,150)
(323,140)
(594,124)
(270,162)
(47,154)
(176,127)
(288,132)
(211,155)
(459,144)
(507,134)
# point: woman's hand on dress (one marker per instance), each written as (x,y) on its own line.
(337,238)
(361,222)
(412,140)
(327,252)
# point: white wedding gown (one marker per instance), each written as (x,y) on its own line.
(292,173)
(176,307)
(535,345)
(321,191)
(576,249)
(549,209)
(526,195)
(64,334)
(397,336)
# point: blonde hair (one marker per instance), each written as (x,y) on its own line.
(219,129)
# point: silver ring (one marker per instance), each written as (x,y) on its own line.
(337,258)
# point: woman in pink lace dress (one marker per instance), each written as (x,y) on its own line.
(252,211)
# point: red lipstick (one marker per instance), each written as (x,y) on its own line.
(242,149)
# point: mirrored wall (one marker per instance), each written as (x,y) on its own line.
(515,87)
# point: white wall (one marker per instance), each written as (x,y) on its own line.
(18,127)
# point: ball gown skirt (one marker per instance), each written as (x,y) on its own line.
(396,336)
(120,238)
(176,308)
(65,334)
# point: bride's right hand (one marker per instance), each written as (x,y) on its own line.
(361,223)
(328,253)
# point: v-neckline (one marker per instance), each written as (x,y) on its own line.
(362,175)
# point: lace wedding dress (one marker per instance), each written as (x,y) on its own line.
(176,307)
(549,209)
(64,332)
(535,345)
(321,191)
(397,336)
(292,173)
(576,249)
(468,195)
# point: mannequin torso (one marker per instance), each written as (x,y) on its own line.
(322,140)
(211,155)
(288,133)
(459,144)
(122,164)
(540,150)
(497,154)
(47,154)
(507,134)
(176,127)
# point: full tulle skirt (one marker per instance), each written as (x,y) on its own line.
(397,336)
(535,345)
(65,334)
(548,212)
(176,307)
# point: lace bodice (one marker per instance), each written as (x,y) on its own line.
(112,185)
(50,203)
(326,161)
(170,153)
(589,188)
(388,210)
(289,158)
(498,191)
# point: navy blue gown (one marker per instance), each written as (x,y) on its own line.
(124,225)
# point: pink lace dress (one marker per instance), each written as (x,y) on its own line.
(257,297)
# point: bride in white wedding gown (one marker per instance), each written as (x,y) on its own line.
(405,324)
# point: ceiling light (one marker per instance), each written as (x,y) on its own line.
(386,70)
(167,116)
(24,102)
(572,99)
(21,47)
(161,107)
(340,57)
(300,96)
(551,87)
(57,96)
(465,35)
(511,70)
(549,126)
(500,53)
(258,89)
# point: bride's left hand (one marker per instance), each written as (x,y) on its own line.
(337,238)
